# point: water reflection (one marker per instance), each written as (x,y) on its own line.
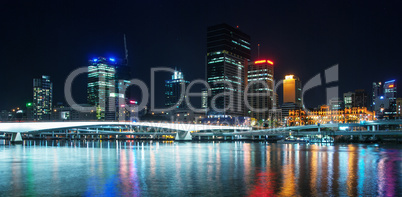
(149,168)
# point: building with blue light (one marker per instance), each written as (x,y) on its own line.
(175,89)
(108,80)
(102,86)
(42,98)
(384,99)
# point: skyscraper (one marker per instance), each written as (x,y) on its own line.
(102,86)
(384,99)
(291,94)
(228,51)
(377,92)
(261,71)
(174,91)
(390,92)
(42,98)
(292,90)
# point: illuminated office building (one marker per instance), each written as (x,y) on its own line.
(292,90)
(348,99)
(175,90)
(384,99)
(291,94)
(42,98)
(228,52)
(101,91)
(390,93)
(377,92)
(260,77)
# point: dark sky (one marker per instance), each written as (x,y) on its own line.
(301,37)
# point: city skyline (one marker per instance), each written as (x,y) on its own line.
(49,49)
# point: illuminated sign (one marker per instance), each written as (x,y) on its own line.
(390,86)
(264,61)
(112,59)
(289,77)
(260,61)
(270,62)
(29,104)
(133,102)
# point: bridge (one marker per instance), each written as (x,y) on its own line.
(181,131)
(365,128)
(190,131)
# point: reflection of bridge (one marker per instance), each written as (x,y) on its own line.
(188,131)
(181,131)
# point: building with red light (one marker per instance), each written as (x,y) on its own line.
(260,89)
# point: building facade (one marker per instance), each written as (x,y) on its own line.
(101,90)
(260,80)
(292,90)
(228,52)
(291,94)
(384,99)
(175,90)
(42,98)
(348,99)
(325,115)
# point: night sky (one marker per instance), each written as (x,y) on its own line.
(301,37)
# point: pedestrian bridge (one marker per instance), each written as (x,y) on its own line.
(182,130)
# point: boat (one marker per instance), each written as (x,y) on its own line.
(291,140)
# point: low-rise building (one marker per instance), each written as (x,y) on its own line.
(325,115)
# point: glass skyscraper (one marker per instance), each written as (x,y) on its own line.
(228,52)
(102,86)
(174,91)
(42,98)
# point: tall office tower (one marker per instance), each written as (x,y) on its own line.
(377,92)
(292,90)
(174,91)
(228,51)
(291,94)
(360,98)
(101,89)
(260,79)
(348,99)
(42,98)
(390,93)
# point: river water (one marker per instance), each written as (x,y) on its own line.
(149,168)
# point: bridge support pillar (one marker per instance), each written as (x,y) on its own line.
(199,138)
(368,128)
(183,136)
(373,127)
(16,138)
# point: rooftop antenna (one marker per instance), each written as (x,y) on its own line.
(125,49)
(258,51)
